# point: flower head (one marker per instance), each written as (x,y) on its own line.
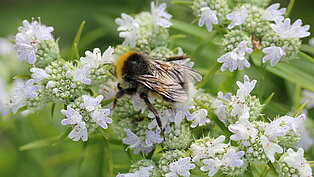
(129,29)
(285,30)
(160,16)
(297,161)
(237,17)
(207,17)
(94,59)
(236,58)
(73,116)
(136,142)
(79,132)
(273,12)
(274,54)
(211,165)
(245,88)
(199,118)
(29,36)
(270,148)
(180,168)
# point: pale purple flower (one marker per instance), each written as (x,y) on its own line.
(245,88)
(81,75)
(274,54)
(180,167)
(136,142)
(243,130)
(293,123)
(21,92)
(285,30)
(160,16)
(91,103)
(95,59)
(73,116)
(220,108)
(153,137)
(273,12)
(128,29)
(238,17)
(79,132)
(232,158)
(6,47)
(101,117)
(296,160)
(38,74)
(29,36)
(276,128)
(270,148)
(308,96)
(165,116)
(239,108)
(199,152)
(236,59)
(199,118)
(211,165)
(138,103)
(142,172)
(207,17)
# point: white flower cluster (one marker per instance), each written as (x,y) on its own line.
(252,19)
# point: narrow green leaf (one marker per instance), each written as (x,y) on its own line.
(39,143)
(182,2)
(53,110)
(106,102)
(299,110)
(307,48)
(92,36)
(189,29)
(204,43)
(21,77)
(306,56)
(272,167)
(76,41)
(267,101)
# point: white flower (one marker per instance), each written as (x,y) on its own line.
(207,17)
(199,118)
(73,116)
(4,105)
(199,152)
(38,74)
(243,130)
(101,117)
(153,138)
(308,96)
(236,58)
(90,103)
(79,132)
(274,54)
(142,172)
(270,148)
(237,17)
(216,146)
(180,167)
(6,47)
(297,161)
(276,128)
(293,123)
(245,88)
(129,29)
(136,142)
(220,108)
(159,15)
(29,36)
(239,108)
(232,158)
(311,41)
(272,12)
(212,165)
(94,59)
(21,92)
(82,75)
(286,30)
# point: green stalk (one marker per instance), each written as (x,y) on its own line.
(109,156)
(209,75)
(306,56)
(271,166)
(290,7)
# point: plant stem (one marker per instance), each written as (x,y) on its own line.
(306,56)
(271,166)
(290,7)
(109,156)
(209,75)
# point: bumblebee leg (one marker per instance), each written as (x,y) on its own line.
(180,57)
(119,94)
(151,108)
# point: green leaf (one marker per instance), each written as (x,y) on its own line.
(209,75)
(53,110)
(74,51)
(307,48)
(289,8)
(39,143)
(306,56)
(299,110)
(267,101)
(182,2)
(189,29)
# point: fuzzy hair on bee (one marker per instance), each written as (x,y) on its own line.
(138,73)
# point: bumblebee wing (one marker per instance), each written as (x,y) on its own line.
(181,73)
(164,85)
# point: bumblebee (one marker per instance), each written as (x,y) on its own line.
(138,73)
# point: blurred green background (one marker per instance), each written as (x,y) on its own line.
(66,158)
